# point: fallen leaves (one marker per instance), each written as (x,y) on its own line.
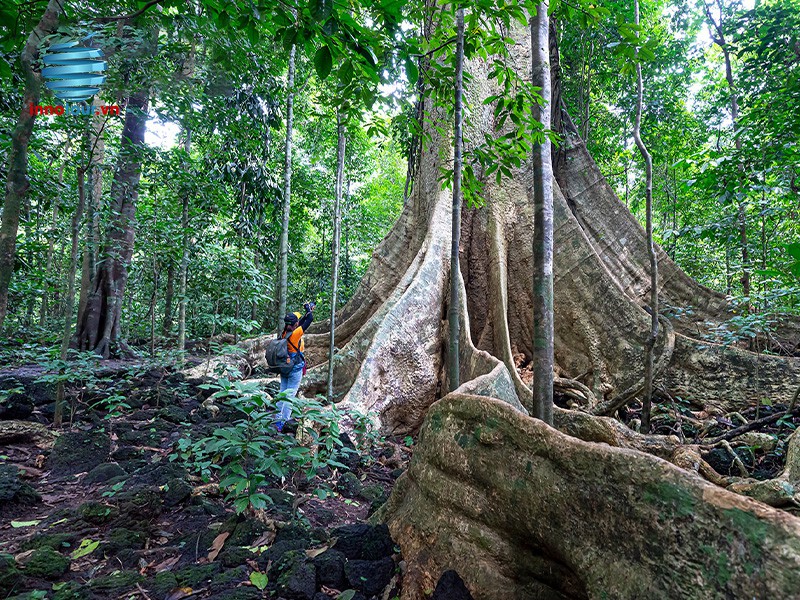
(216,545)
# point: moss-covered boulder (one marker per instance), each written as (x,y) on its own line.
(349,485)
(176,491)
(142,503)
(197,576)
(56,541)
(295,577)
(105,472)
(14,490)
(72,590)
(122,538)
(116,584)
(9,573)
(161,585)
(46,563)
(97,513)
(78,452)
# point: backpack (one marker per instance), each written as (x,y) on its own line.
(277,356)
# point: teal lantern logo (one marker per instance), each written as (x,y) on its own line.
(72,72)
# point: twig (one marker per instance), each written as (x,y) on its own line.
(736,460)
(751,426)
(130,16)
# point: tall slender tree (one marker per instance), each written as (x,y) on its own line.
(543,331)
(651,250)
(17,183)
(337,229)
(182,279)
(454,311)
(283,252)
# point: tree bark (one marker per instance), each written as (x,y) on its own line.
(543,328)
(651,251)
(99,330)
(337,228)
(184,259)
(51,239)
(454,303)
(169,294)
(283,252)
(17,183)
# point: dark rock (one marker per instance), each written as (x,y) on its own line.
(350,457)
(126,455)
(294,575)
(723,463)
(72,590)
(369,576)
(230,578)
(13,489)
(451,587)
(277,550)
(139,437)
(177,491)
(396,473)
(240,593)
(128,558)
(293,532)
(324,516)
(349,485)
(97,513)
(142,415)
(9,574)
(122,538)
(374,493)
(79,451)
(330,569)
(174,414)
(159,475)
(246,532)
(161,585)
(16,406)
(103,473)
(47,564)
(56,541)
(113,586)
(197,576)
(363,542)
(235,556)
(140,503)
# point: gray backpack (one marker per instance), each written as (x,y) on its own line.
(277,356)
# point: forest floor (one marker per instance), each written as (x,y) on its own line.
(110,508)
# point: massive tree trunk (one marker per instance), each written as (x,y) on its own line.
(625,508)
(99,328)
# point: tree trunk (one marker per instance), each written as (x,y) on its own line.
(454,302)
(17,183)
(70,299)
(337,227)
(651,251)
(184,259)
(543,333)
(283,251)
(169,293)
(99,330)
(51,239)
(94,209)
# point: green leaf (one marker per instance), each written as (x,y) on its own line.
(346,595)
(259,580)
(323,62)
(17,524)
(5,69)
(87,547)
(346,72)
(411,71)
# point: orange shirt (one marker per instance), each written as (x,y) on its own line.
(296,341)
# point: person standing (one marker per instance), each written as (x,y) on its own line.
(293,330)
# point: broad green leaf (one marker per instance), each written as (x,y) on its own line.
(87,547)
(17,524)
(323,62)
(259,580)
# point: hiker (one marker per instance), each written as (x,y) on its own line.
(293,330)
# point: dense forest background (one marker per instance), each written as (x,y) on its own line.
(725,193)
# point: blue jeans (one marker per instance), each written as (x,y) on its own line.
(289,384)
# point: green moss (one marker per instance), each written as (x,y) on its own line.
(122,538)
(96,513)
(9,574)
(162,584)
(680,501)
(56,541)
(194,576)
(113,584)
(46,563)
(751,527)
(71,591)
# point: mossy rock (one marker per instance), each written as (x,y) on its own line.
(294,575)
(112,586)
(244,532)
(56,541)
(13,489)
(72,591)
(349,485)
(122,538)
(97,513)
(235,556)
(9,574)
(142,503)
(196,576)
(78,451)
(47,564)
(105,473)
(374,493)
(242,593)
(177,490)
(230,578)
(161,585)
(174,414)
